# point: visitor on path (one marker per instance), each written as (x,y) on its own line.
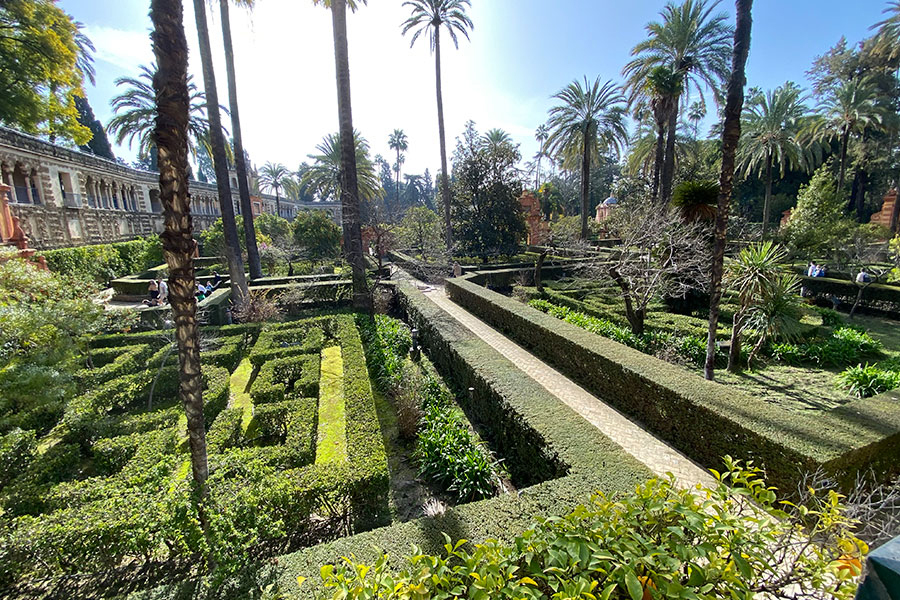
(163,291)
(863,276)
(153,293)
(201,292)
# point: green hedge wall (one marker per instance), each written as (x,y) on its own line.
(104,262)
(847,290)
(705,420)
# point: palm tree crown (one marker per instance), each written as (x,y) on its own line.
(691,40)
(772,122)
(273,177)
(429,15)
(135,110)
(398,141)
(324,175)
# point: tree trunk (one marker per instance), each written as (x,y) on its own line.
(734,351)
(862,177)
(277,202)
(389,212)
(585,186)
(659,159)
(445,177)
(537,176)
(767,203)
(349,185)
(845,140)
(220,162)
(240,164)
(731,135)
(171,139)
(668,172)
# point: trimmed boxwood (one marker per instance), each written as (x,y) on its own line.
(292,338)
(296,375)
(114,362)
(705,420)
(291,423)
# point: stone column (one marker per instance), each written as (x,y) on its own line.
(28,193)
(6,225)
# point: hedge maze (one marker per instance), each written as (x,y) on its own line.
(106,480)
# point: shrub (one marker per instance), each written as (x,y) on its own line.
(830,317)
(866,381)
(16,452)
(658,542)
(448,456)
(102,262)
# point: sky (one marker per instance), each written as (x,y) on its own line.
(521,52)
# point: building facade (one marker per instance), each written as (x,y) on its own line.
(64,197)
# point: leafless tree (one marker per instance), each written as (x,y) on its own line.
(660,256)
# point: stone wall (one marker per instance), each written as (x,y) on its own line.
(64,197)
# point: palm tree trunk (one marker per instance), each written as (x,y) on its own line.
(537,177)
(862,177)
(171,140)
(731,135)
(767,203)
(349,184)
(660,157)
(845,140)
(220,162)
(445,177)
(398,185)
(668,172)
(277,202)
(585,186)
(240,164)
(734,351)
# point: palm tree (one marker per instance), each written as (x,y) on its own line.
(589,118)
(696,113)
(135,110)
(399,142)
(849,108)
(495,139)
(771,137)
(353,245)
(695,44)
(324,175)
(171,140)
(272,177)
(240,163)
(541,135)
(662,88)
(430,16)
(731,136)
(239,291)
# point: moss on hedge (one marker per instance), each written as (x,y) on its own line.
(705,420)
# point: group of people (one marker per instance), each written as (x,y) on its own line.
(815,270)
(158,290)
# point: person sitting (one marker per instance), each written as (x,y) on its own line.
(201,292)
(153,293)
(216,280)
(811,269)
(820,271)
(863,276)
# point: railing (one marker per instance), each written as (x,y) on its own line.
(72,200)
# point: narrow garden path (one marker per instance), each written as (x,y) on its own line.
(658,456)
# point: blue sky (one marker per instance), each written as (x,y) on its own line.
(521,52)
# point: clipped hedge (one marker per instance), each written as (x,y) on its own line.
(705,420)
(293,375)
(103,262)
(848,290)
(291,338)
(110,363)
(291,423)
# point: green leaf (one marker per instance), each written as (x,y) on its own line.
(635,590)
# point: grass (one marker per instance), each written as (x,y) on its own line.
(240,391)
(331,445)
(806,388)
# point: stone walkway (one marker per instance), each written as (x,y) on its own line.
(658,456)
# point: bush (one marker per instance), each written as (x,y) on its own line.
(16,452)
(655,543)
(830,317)
(866,381)
(103,262)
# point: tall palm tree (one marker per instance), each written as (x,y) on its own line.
(589,118)
(662,88)
(731,136)
(239,291)
(240,162)
(272,177)
(171,140)
(849,108)
(135,113)
(772,123)
(353,246)
(696,112)
(324,175)
(694,43)
(399,142)
(541,134)
(429,16)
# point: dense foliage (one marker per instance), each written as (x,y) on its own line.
(865,381)
(487,217)
(102,262)
(732,539)
(316,235)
